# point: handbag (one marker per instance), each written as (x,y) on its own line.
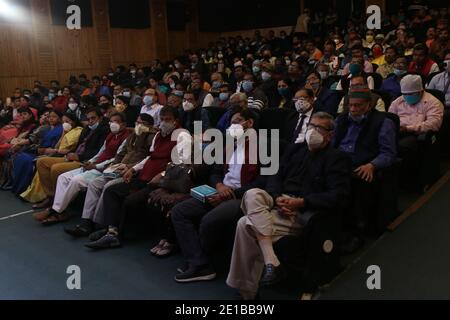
(177,178)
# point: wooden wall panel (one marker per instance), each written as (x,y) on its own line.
(75,49)
(131,46)
(177,42)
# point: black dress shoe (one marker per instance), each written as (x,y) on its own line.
(80,230)
(272,275)
(97,234)
(203,273)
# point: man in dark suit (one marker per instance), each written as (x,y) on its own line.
(311,177)
(297,122)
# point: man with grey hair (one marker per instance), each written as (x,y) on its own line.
(277,211)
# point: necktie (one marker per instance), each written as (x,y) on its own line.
(299,127)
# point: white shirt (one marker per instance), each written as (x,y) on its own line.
(208,101)
(439,82)
(238,86)
(302,135)
(233,177)
(153,110)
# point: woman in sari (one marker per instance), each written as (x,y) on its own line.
(46,136)
(22,128)
(68,142)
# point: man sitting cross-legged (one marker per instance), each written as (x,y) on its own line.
(136,149)
(312,177)
(69,184)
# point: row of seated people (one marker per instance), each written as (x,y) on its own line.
(87,142)
(365,134)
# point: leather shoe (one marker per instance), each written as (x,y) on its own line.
(272,275)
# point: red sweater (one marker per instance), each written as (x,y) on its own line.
(113,142)
(159,158)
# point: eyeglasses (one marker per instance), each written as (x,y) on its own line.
(318,127)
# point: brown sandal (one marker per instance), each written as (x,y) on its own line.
(56,218)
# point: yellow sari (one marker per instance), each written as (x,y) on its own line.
(69,141)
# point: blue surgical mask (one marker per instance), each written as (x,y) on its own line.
(247,86)
(399,72)
(413,99)
(94,126)
(51,96)
(223,96)
(178,93)
(148,100)
(283,91)
(256,69)
(216,84)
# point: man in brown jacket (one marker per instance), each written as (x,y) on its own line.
(136,149)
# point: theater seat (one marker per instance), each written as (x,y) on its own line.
(215,113)
(312,259)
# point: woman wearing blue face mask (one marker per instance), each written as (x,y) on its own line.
(285,93)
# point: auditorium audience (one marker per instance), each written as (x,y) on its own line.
(119,152)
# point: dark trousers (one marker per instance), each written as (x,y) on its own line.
(122,198)
(364,196)
(195,243)
(408,150)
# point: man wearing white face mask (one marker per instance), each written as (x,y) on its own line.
(136,148)
(218,216)
(298,125)
(151,105)
(71,183)
(441,81)
(192,112)
(277,211)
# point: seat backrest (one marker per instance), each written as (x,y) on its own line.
(276,119)
(385,96)
(395,118)
(377,79)
(437,94)
(215,113)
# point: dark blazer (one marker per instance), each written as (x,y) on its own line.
(93,141)
(322,179)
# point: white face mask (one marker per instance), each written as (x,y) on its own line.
(188,106)
(67,127)
(236,131)
(314,139)
(265,76)
(447,65)
(73,106)
(114,127)
(140,129)
(302,106)
(323,75)
(127,94)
